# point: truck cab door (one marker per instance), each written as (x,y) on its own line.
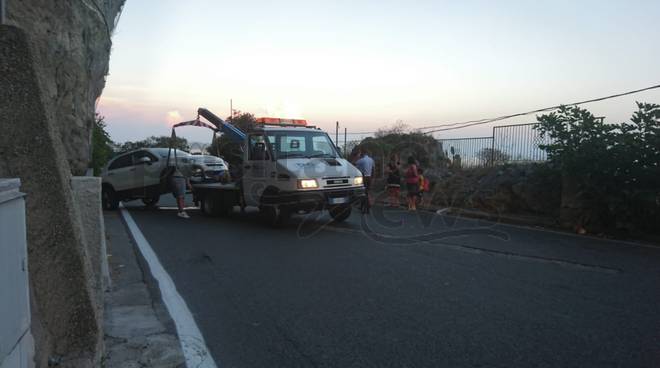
(257,166)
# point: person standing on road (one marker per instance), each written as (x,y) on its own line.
(366,166)
(178,183)
(412,183)
(393,181)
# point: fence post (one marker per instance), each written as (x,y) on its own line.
(2,12)
(492,149)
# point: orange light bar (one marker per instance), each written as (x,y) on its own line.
(278,121)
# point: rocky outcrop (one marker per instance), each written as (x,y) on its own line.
(53,61)
(70,42)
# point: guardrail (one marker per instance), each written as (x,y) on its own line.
(16,344)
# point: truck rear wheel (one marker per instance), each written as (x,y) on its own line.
(213,205)
(340,213)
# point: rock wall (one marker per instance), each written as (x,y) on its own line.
(70,41)
(53,61)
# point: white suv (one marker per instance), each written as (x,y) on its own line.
(139,174)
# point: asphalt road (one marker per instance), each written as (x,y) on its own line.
(396,289)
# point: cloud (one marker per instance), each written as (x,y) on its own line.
(173,117)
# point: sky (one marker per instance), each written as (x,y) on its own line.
(369,64)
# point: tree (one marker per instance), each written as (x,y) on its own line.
(101,145)
(398,128)
(490,157)
(614,168)
(156,142)
(423,147)
(227,148)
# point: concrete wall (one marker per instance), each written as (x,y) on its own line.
(64,317)
(16,344)
(87,194)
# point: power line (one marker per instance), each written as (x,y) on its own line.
(465,124)
(469,123)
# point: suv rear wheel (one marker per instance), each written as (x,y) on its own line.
(151,201)
(109,198)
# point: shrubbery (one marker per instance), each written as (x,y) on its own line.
(616,167)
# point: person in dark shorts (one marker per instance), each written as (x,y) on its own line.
(393,181)
(366,166)
(179,183)
(412,183)
(177,180)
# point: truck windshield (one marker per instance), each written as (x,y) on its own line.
(308,144)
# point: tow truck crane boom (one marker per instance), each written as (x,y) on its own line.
(223,126)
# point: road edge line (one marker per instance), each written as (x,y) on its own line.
(194,347)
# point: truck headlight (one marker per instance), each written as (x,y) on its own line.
(358,180)
(307,184)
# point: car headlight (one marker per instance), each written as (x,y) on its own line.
(358,180)
(307,184)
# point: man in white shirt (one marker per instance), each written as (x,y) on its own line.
(366,166)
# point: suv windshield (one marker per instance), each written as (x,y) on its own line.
(308,144)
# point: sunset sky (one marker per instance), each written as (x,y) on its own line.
(368,64)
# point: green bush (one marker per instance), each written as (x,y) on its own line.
(616,166)
(101,145)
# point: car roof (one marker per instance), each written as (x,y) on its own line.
(159,151)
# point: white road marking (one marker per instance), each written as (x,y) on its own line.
(193,345)
(168,208)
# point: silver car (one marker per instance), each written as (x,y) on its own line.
(207,168)
(140,174)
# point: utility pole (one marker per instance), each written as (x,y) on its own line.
(345,146)
(231,109)
(337,134)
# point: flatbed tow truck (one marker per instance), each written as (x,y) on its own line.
(287,167)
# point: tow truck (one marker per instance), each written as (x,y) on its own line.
(287,167)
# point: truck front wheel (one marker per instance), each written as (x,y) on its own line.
(274,215)
(340,213)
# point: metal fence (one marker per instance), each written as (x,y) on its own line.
(518,143)
(515,143)
(467,152)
